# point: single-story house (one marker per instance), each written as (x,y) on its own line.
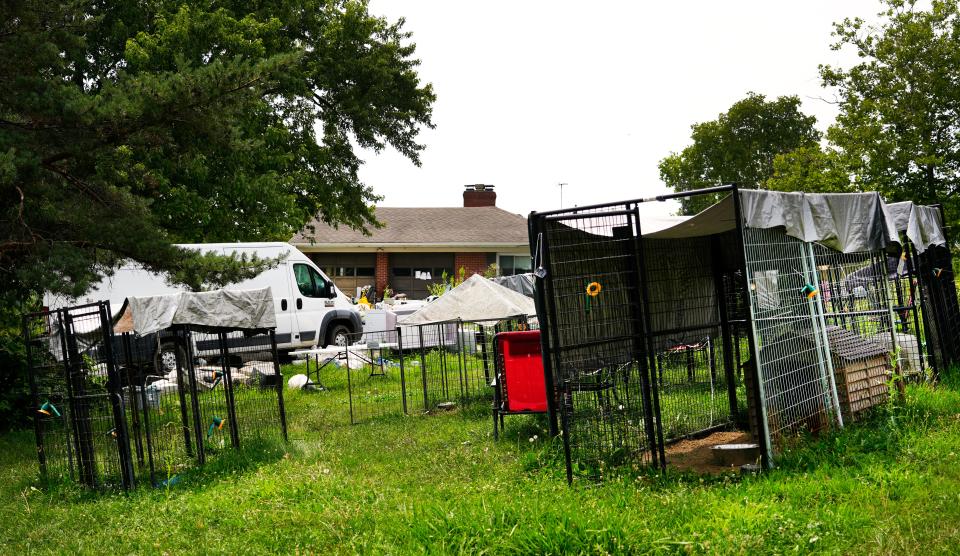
(417,245)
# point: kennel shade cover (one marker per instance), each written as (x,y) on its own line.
(921,224)
(845,222)
(232,309)
(477,299)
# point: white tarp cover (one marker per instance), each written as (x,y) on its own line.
(921,224)
(476,299)
(236,309)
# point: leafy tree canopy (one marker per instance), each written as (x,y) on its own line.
(899,121)
(738,147)
(810,169)
(126,126)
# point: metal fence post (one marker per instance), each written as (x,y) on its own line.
(115,393)
(228,390)
(276,369)
(194,400)
(403,379)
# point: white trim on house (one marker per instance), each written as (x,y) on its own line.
(505,248)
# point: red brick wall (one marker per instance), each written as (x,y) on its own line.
(473,263)
(474,198)
(382,273)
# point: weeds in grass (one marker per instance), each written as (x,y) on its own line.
(440,484)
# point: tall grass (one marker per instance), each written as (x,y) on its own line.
(439,484)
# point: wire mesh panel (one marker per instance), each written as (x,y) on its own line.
(477,353)
(939,295)
(255,385)
(82,411)
(793,362)
(689,281)
(46,356)
(594,347)
(905,297)
(117,408)
(854,290)
(374,366)
(157,396)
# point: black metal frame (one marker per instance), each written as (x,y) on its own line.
(644,352)
(119,433)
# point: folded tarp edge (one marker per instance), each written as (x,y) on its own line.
(920,223)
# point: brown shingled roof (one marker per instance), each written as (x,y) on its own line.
(430,225)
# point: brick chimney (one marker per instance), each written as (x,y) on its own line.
(479,195)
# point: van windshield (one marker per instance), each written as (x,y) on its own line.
(309,281)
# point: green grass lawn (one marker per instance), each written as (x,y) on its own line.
(440,484)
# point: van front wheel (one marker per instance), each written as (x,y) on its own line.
(338,335)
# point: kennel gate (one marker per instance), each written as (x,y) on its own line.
(107,416)
(590,302)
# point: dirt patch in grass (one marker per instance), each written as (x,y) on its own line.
(694,454)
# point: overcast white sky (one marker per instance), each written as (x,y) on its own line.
(594,94)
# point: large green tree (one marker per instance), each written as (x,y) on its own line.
(899,121)
(738,147)
(126,126)
(812,170)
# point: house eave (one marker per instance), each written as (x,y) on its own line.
(459,247)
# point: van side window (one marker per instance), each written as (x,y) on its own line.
(309,281)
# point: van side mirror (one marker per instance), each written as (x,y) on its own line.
(329,290)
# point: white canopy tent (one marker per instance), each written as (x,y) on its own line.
(476,299)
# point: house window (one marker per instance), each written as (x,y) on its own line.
(508,265)
(401,271)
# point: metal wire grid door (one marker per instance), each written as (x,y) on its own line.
(79,420)
(793,362)
(595,355)
(908,311)
(859,326)
(691,311)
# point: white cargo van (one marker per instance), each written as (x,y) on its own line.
(310,309)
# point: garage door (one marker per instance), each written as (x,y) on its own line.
(349,271)
(411,273)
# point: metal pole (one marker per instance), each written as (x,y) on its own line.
(80,409)
(346,360)
(726,343)
(547,312)
(763,427)
(403,380)
(194,400)
(820,337)
(115,393)
(643,345)
(423,369)
(228,390)
(276,368)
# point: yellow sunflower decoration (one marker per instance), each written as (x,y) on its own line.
(593,290)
